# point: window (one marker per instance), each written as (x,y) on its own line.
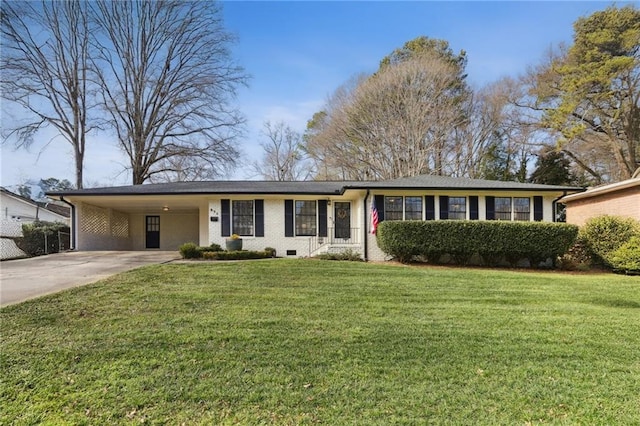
(457,208)
(305,218)
(503,208)
(402,208)
(392,208)
(521,208)
(413,208)
(242,217)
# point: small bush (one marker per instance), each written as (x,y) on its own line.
(235,255)
(578,257)
(627,256)
(348,255)
(271,251)
(190,251)
(605,234)
(212,248)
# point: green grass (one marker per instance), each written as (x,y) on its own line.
(303,342)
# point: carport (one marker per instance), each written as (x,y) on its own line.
(136,222)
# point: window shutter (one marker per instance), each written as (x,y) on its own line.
(430,207)
(322,218)
(444,207)
(288,218)
(473,207)
(538,210)
(380,207)
(225,208)
(491,207)
(259,212)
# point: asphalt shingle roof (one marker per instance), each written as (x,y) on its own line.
(311,187)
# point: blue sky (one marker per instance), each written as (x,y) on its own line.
(298,53)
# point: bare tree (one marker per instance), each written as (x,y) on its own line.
(395,123)
(283,158)
(167,81)
(325,141)
(45,70)
(483,112)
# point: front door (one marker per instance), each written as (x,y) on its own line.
(342,220)
(153,232)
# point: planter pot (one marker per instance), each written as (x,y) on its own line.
(234,245)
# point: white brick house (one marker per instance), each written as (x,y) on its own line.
(296,218)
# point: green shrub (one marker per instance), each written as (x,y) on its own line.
(271,251)
(461,240)
(605,234)
(627,256)
(190,251)
(578,257)
(42,237)
(212,248)
(348,255)
(235,255)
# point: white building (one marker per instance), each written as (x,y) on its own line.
(295,218)
(17,210)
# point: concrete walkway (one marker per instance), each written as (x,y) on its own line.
(24,279)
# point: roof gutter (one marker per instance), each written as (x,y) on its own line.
(73,222)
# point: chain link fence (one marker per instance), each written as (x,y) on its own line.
(40,238)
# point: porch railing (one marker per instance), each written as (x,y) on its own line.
(346,237)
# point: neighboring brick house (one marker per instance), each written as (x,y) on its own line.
(296,218)
(616,199)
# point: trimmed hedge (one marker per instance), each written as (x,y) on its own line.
(236,255)
(493,241)
(215,252)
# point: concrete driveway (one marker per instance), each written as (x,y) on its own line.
(24,279)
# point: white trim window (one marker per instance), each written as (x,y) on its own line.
(306,218)
(413,208)
(503,208)
(242,217)
(522,208)
(457,208)
(397,207)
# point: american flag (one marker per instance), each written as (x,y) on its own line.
(374,216)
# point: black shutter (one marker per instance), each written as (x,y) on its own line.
(288,218)
(538,212)
(473,207)
(380,207)
(322,218)
(226,217)
(444,207)
(491,207)
(259,212)
(430,207)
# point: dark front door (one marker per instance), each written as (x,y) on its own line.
(153,232)
(342,220)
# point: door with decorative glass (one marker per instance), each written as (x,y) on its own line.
(153,232)
(342,220)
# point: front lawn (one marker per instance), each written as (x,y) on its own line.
(304,341)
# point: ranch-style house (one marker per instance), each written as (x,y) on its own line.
(298,219)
